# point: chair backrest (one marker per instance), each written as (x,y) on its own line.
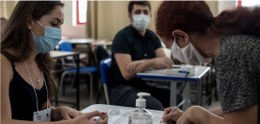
(66,46)
(101,53)
(104,67)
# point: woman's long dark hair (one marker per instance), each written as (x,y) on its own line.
(195,16)
(17,37)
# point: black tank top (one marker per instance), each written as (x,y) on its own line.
(22,96)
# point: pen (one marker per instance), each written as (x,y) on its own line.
(179,105)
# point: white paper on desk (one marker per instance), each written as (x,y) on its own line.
(175,70)
(122,117)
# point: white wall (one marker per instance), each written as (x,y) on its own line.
(68,30)
(115,13)
(223,5)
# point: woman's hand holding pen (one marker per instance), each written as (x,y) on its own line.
(171,114)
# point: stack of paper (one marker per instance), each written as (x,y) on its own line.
(121,117)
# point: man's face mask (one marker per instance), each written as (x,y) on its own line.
(188,54)
(141,21)
(49,40)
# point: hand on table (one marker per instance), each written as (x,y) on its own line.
(65,113)
(162,62)
(170,117)
(89,118)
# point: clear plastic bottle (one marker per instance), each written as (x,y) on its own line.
(140,115)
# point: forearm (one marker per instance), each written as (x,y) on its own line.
(55,114)
(129,68)
(199,115)
(218,111)
(140,67)
(144,65)
(153,63)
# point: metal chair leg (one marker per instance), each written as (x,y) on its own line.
(106,93)
(91,87)
(62,82)
(99,94)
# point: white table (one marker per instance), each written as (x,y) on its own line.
(84,42)
(62,54)
(159,76)
(123,113)
(80,41)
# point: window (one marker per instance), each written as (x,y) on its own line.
(79,11)
(249,2)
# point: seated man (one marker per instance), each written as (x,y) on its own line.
(135,49)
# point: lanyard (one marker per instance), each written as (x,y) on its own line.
(35,93)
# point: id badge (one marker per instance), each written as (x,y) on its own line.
(42,116)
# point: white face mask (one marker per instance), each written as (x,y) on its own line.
(141,22)
(188,54)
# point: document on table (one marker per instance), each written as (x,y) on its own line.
(122,116)
(176,70)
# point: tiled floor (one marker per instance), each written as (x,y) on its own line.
(85,101)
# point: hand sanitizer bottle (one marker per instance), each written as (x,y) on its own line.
(141,115)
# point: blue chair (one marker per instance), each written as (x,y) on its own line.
(89,70)
(104,67)
(67,46)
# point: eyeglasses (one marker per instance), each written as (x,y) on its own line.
(146,12)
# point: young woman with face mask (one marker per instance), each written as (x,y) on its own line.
(27,83)
(232,39)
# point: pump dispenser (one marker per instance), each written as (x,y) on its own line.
(141,115)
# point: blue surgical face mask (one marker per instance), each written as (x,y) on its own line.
(49,40)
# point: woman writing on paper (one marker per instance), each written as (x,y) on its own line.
(232,39)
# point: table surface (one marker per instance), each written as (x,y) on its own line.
(58,54)
(80,41)
(122,113)
(173,78)
(162,74)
